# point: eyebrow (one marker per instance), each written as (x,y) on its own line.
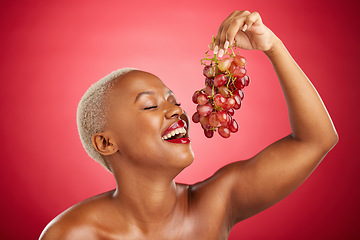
(169,92)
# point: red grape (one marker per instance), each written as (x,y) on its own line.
(240,60)
(219,100)
(195,96)
(224,64)
(224,132)
(239,93)
(196,117)
(231,111)
(247,80)
(204,120)
(224,91)
(233,126)
(213,120)
(222,116)
(209,90)
(202,99)
(228,120)
(237,103)
(209,81)
(206,127)
(239,84)
(208,71)
(209,133)
(230,103)
(239,72)
(205,110)
(232,67)
(220,80)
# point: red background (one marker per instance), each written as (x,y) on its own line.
(51,51)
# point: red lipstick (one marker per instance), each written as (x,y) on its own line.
(180,140)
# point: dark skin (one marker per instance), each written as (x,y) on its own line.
(148,204)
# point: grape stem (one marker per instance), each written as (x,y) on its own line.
(232,50)
(214,59)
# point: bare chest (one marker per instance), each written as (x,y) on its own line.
(198,232)
(209,227)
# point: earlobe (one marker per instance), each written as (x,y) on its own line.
(103,144)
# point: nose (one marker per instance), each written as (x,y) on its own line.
(173,111)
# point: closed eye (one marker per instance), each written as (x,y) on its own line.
(151,107)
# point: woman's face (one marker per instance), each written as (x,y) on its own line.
(142,115)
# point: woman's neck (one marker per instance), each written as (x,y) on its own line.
(146,196)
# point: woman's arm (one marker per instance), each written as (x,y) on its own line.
(256,184)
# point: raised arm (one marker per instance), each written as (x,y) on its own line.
(253,185)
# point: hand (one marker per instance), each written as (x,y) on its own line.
(246,30)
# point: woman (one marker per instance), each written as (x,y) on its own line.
(133,119)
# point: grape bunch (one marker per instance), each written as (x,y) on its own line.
(222,95)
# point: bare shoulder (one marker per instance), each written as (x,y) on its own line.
(79,221)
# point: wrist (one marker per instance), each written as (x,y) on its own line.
(275,47)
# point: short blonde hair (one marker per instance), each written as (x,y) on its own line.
(91,111)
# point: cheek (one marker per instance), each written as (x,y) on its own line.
(139,131)
(147,125)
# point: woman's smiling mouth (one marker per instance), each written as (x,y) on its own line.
(176,133)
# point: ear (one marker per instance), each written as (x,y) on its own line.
(104,144)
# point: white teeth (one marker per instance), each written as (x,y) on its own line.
(174,132)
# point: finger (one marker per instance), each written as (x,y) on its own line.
(236,25)
(219,40)
(218,37)
(230,29)
(216,43)
(252,19)
(222,42)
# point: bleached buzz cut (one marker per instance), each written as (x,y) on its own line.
(91,112)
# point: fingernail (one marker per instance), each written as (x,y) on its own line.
(216,49)
(226,45)
(244,28)
(209,46)
(221,53)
